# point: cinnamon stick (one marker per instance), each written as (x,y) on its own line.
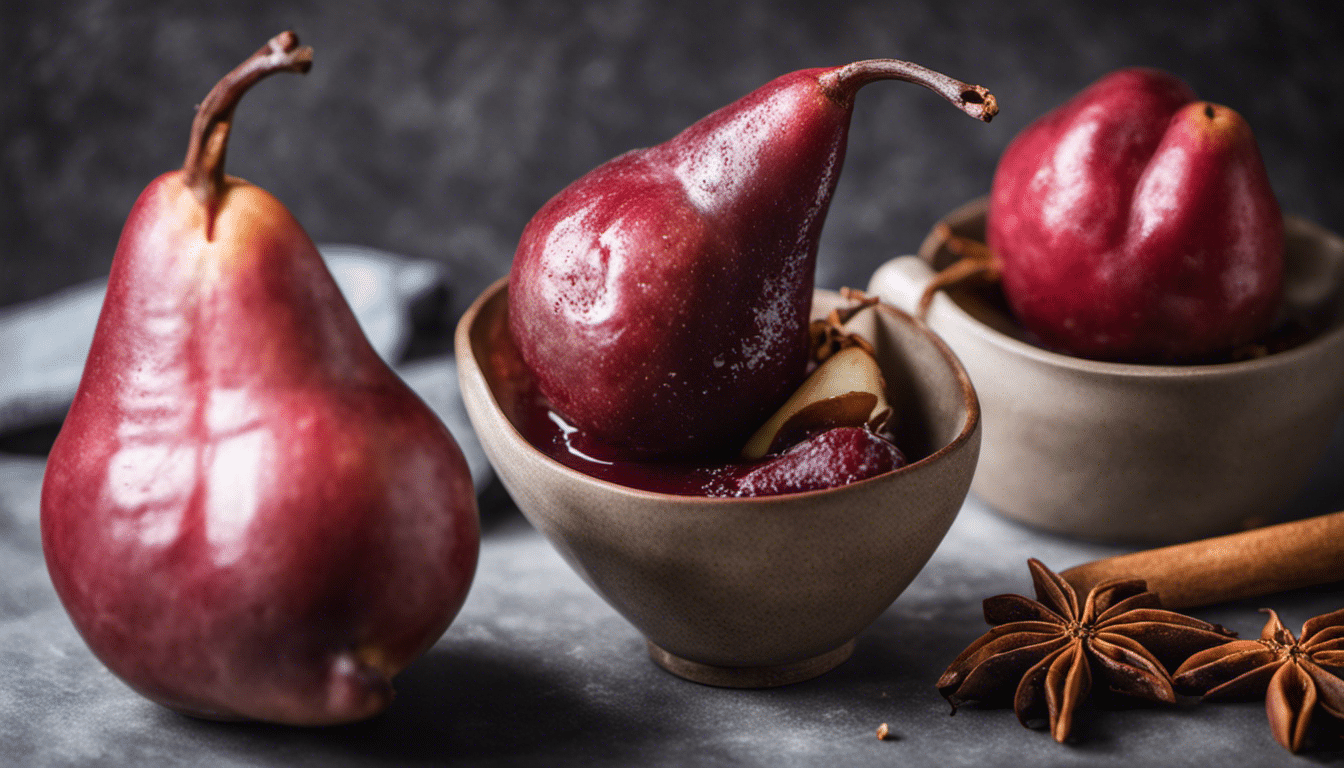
(1262,561)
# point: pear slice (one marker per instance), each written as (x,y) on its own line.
(845,391)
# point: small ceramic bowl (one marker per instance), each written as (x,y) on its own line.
(747,592)
(1141,454)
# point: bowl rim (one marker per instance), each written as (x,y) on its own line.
(969,427)
(977,208)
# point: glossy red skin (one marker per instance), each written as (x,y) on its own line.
(1133,226)
(662,299)
(831,459)
(246,513)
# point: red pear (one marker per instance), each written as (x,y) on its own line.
(1137,223)
(662,299)
(247,514)
(830,459)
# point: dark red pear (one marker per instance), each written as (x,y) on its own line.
(1136,223)
(247,514)
(829,459)
(662,299)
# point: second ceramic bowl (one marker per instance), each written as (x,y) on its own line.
(741,592)
(1142,454)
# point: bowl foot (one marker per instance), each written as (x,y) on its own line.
(750,677)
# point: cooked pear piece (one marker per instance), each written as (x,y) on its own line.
(845,391)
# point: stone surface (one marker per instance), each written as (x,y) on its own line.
(537,670)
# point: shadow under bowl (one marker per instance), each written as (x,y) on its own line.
(1139,454)
(748,592)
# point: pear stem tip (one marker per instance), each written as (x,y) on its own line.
(841,83)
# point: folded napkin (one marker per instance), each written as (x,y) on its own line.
(43,343)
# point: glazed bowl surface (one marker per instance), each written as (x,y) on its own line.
(742,592)
(1140,454)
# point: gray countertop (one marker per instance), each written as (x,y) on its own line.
(538,670)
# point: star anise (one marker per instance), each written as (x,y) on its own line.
(1287,671)
(1046,651)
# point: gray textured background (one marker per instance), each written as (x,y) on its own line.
(435,129)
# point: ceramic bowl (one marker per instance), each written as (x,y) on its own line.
(1141,454)
(742,592)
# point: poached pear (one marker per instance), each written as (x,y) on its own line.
(247,514)
(662,299)
(1137,223)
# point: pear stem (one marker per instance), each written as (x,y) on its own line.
(203,170)
(841,83)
